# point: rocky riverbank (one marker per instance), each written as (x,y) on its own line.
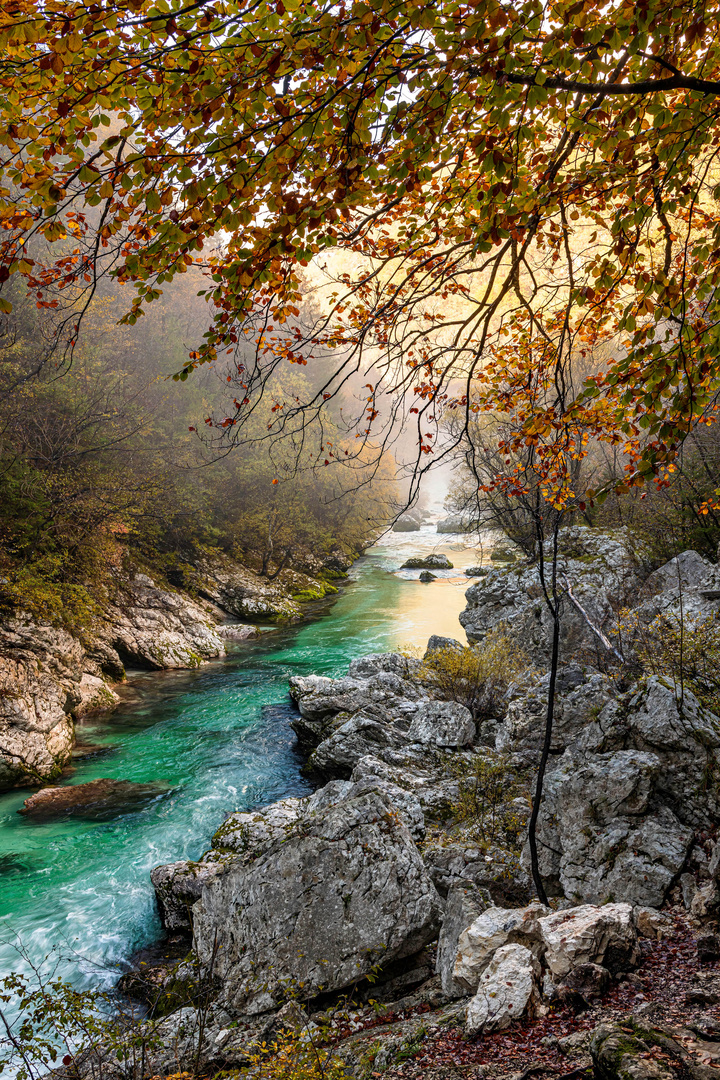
(386,883)
(49,677)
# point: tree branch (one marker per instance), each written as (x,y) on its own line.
(645,86)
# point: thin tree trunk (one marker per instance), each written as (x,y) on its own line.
(549,717)
(551,599)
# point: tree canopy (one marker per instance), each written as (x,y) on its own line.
(518,201)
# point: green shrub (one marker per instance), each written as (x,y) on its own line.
(477,676)
(487,791)
(685,651)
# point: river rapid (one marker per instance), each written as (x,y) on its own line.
(75,895)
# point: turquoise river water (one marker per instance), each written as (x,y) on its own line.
(78,892)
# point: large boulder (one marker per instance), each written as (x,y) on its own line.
(436,793)
(682,735)
(442,724)
(456,524)
(405,803)
(492,868)
(251,834)
(153,627)
(47,680)
(318,696)
(463,905)
(342,892)
(603,569)
(580,698)
(687,587)
(622,802)
(241,592)
(601,835)
(178,886)
(589,935)
(508,990)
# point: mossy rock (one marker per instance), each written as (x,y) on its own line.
(504,555)
(636,1049)
(311,593)
(332,575)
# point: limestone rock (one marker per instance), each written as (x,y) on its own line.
(599,834)
(507,991)
(651,923)
(686,740)
(455,524)
(464,904)
(604,568)
(620,1052)
(344,891)
(405,803)
(494,869)
(435,794)
(442,723)
(367,667)
(436,643)
(589,935)
(359,736)
(580,700)
(177,887)
(46,680)
(152,627)
(583,985)
(241,592)
(686,587)
(251,834)
(318,696)
(493,928)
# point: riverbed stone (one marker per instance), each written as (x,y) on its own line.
(98,800)
(427,562)
(343,892)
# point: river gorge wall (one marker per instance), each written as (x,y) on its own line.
(50,677)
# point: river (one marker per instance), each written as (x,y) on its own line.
(76,894)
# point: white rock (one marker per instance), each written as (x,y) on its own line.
(507,990)
(589,935)
(493,928)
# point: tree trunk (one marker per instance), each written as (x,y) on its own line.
(551,599)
